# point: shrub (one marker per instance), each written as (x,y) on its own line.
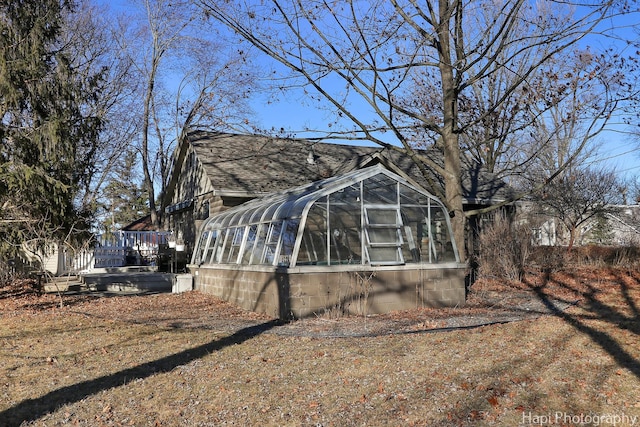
(504,249)
(554,258)
(549,258)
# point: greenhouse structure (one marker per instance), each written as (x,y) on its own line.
(366,242)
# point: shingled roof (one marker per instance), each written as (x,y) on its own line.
(255,165)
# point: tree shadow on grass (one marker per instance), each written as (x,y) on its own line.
(620,313)
(32,409)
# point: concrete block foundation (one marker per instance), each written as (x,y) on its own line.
(301,292)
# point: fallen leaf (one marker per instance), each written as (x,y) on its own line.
(493,401)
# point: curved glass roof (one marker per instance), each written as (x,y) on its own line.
(286,204)
(368,216)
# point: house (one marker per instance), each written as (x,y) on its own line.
(215,171)
(617,225)
(140,224)
(293,228)
(623,226)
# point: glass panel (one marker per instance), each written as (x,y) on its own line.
(345,246)
(383,235)
(233,245)
(270,211)
(226,245)
(385,255)
(428,224)
(441,237)
(317,216)
(275,231)
(243,217)
(349,196)
(380,189)
(413,232)
(412,197)
(249,244)
(235,219)
(313,248)
(261,236)
(287,210)
(200,248)
(210,248)
(256,214)
(216,257)
(224,220)
(271,242)
(382,216)
(289,234)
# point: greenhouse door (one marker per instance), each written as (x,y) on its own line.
(383,235)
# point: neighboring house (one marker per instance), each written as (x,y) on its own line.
(215,171)
(624,225)
(618,226)
(140,224)
(57,259)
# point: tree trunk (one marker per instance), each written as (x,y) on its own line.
(146,161)
(452,164)
(148,178)
(572,238)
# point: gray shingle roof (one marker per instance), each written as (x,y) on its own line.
(259,164)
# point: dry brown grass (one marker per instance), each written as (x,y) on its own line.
(189,359)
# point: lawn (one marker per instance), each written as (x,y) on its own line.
(192,360)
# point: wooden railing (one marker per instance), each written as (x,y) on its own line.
(128,248)
(116,250)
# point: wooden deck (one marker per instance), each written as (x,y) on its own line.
(114,280)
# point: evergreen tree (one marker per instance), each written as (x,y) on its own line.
(125,200)
(48,140)
(602,231)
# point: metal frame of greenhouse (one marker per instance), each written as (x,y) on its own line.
(364,242)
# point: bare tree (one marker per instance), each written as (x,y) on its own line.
(559,113)
(189,78)
(380,54)
(579,195)
(89,36)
